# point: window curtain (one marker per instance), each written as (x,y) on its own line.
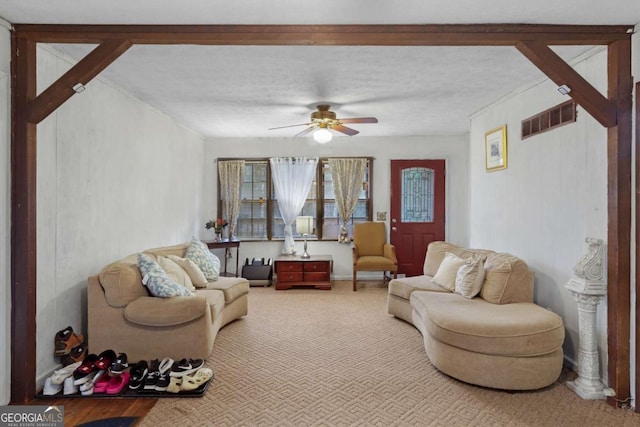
(292,178)
(347,175)
(231,173)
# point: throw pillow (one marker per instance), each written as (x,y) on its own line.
(200,254)
(157,281)
(194,272)
(470,277)
(176,273)
(446,274)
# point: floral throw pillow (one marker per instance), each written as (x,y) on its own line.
(199,253)
(157,281)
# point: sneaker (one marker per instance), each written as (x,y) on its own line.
(186,367)
(69,387)
(119,364)
(62,374)
(152,376)
(50,388)
(139,373)
(163,378)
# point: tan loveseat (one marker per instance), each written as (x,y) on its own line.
(498,339)
(124,317)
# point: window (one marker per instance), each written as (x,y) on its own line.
(260,217)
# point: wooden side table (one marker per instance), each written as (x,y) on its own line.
(306,272)
(227,244)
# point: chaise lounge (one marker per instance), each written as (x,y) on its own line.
(499,338)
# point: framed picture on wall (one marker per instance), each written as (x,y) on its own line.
(495,149)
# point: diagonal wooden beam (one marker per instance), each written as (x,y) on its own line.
(596,104)
(83,72)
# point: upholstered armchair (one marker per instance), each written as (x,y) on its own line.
(371,252)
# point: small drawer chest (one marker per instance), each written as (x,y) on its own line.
(305,272)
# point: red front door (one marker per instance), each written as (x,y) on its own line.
(417,210)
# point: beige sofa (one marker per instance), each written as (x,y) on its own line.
(124,317)
(499,339)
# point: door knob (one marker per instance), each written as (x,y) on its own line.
(394,229)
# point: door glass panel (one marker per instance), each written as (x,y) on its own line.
(417,195)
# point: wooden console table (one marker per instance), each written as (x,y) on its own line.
(227,245)
(309,272)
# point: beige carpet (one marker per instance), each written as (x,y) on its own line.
(306,357)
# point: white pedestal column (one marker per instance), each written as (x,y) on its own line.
(588,290)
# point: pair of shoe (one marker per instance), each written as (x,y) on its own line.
(112,384)
(77,354)
(108,361)
(190,382)
(186,367)
(157,378)
(87,388)
(138,376)
(65,340)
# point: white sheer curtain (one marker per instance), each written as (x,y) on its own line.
(347,176)
(292,178)
(230,172)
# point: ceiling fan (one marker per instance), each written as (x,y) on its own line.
(325,119)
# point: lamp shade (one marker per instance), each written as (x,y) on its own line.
(322,136)
(304,224)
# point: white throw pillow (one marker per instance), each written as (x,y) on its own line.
(446,274)
(176,273)
(470,277)
(195,274)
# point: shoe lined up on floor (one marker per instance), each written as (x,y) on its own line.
(151,379)
(65,340)
(103,373)
(77,354)
(163,378)
(186,367)
(138,373)
(119,364)
(188,383)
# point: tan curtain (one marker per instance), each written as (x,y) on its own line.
(231,173)
(347,175)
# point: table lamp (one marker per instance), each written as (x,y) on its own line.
(304,226)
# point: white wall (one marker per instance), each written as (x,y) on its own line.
(552,196)
(5,215)
(115,176)
(454,149)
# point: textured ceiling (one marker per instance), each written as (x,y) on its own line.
(241,91)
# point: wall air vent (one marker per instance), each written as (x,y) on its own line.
(559,115)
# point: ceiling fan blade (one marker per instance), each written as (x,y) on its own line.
(360,120)
(345,130)
(306,131)
(290,126)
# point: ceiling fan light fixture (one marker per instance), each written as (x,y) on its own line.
(322,136)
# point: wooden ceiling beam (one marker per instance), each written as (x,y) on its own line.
(329,35)
(554,67)
(83,72)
